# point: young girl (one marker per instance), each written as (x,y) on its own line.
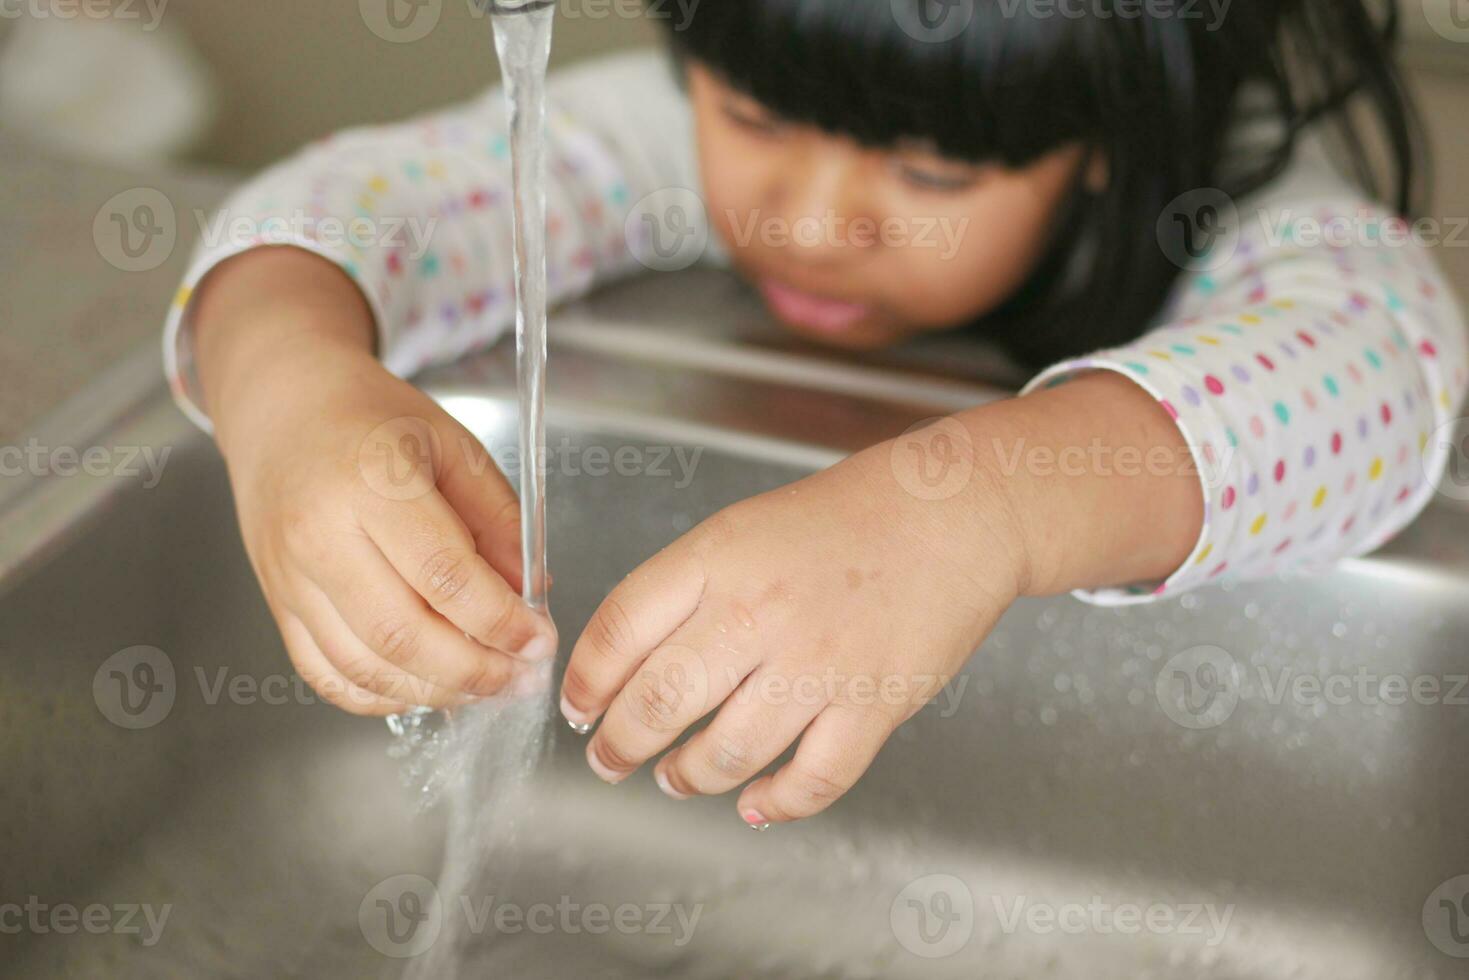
(1147,180)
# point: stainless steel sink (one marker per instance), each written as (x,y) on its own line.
(1129,794)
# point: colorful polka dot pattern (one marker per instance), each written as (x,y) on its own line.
(431,198)
(1306,379)
(1306,382)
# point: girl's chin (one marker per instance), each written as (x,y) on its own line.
(859,337)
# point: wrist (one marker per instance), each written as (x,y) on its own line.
(1098,479)
(260,317)
(950,496)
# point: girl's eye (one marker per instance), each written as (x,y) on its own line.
(753,118)
(937,179)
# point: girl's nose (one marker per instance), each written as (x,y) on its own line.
(819,197)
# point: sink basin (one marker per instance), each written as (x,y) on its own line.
(1232,785)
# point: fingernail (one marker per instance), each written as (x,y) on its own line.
(539,647)
(571,715)
(755,820)
(603,773)
(661,778)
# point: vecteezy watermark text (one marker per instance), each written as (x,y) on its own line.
(934,916)
(37,459)
(402,917)
(406,21)
(1200,688)
(409,234)
(1213,12)
(149,11)
(64,919)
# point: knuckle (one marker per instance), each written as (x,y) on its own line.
(718,529)
(811,791)
(508,515)
(398,642)
(446,574)
(301,536)
(488,676)
(656,704)
(500,614)
(370,677)
(613,756)
(610,629)
(731,756)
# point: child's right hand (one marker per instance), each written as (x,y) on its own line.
(386,540)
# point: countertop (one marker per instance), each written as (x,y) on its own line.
(73,302)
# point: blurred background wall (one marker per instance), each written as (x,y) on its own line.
(291,70)
(282,72)
(295,69)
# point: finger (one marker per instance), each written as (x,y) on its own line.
(758,722)
(479,493)
(352,658)
(398,625)
(680,682)
(432,550)
(834,753)
(325,679)
(640,613)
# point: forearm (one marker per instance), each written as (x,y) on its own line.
(261,312)
(1096,480)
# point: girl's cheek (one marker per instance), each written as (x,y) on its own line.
(948,281)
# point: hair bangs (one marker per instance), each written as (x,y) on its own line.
(1005,88)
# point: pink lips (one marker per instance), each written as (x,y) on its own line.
(815,312)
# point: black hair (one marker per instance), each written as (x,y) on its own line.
(1153,87)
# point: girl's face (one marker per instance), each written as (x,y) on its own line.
(859,247)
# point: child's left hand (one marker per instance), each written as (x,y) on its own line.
(830,610)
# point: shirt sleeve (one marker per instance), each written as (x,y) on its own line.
(1307,375)
(419,213)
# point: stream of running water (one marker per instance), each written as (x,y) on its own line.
(481,759)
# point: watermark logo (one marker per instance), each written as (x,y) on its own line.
(933,917)
(1199,231)
(933,21)
(1200,687)
(402,916)
(1451,438)
(400,459)
(668,230)
(1446,917)
(401,21)
(136,230)
(934,459)
(1448,18)
(135,688)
